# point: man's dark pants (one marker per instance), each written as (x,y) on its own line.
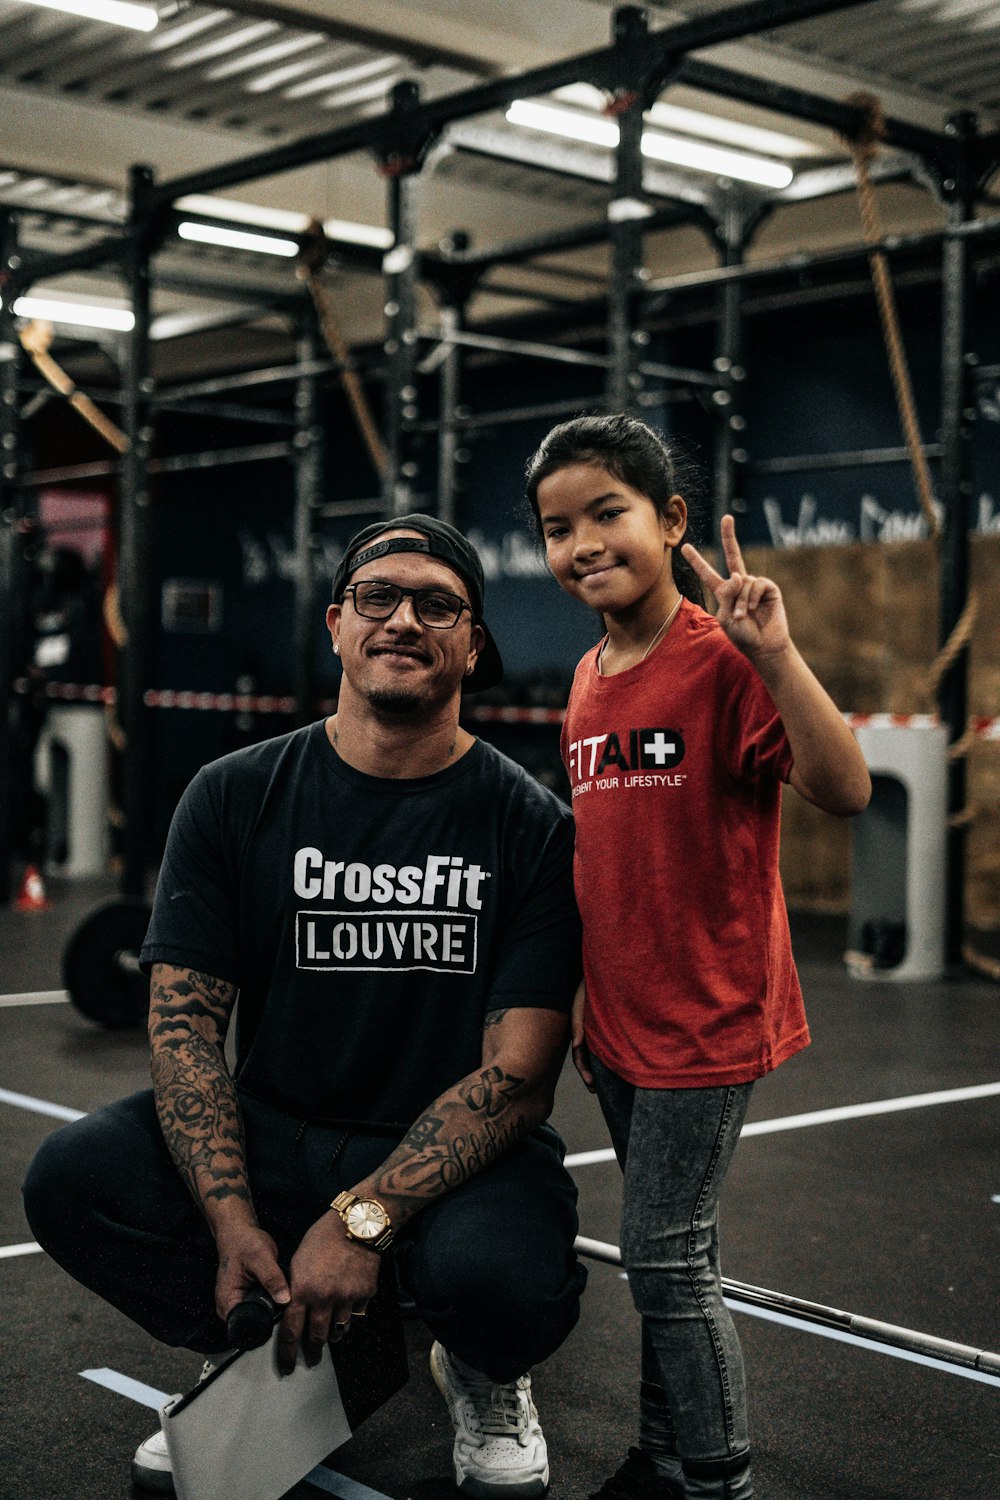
(490,1266)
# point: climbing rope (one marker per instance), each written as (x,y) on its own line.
(312,256)
(36,340)
(864,147)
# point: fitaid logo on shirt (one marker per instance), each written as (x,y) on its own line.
(654,749)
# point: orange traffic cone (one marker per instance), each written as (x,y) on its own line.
(31,896)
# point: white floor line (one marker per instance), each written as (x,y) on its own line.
(29,1248)
(37,997)
(338,1484)
(147,1395)
(843,1337)
(876,1107)
(40,1106)
(124,1385)
(828,1116)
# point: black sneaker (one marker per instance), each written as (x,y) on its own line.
(637,1479)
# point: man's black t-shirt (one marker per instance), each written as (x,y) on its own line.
(370,924)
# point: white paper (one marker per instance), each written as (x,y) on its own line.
(254,1433)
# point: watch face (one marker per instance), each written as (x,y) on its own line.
(366,1219)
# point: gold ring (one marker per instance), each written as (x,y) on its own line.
(362,1314)
(340,1325)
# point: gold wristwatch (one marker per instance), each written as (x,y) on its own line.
(365,1221)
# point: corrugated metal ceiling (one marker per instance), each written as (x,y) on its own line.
(208,65)
(225,69)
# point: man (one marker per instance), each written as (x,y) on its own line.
(391,899)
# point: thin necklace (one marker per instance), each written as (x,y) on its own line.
(656,637)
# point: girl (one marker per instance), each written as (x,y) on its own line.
(680,728)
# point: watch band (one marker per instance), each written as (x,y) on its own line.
(342,1205)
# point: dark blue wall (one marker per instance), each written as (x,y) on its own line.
(817,381)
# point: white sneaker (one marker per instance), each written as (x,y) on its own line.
(151,1465)
(499,1446)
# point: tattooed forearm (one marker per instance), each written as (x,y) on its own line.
(195,1097)
(463,1132)
(491,1093)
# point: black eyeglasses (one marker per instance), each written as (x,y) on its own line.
(434,607)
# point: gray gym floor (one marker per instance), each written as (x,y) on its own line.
(893,1215)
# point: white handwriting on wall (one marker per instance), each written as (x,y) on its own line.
(876,522)
(515,554)
(988,519)
(271,558)
(881,525)
(809,530)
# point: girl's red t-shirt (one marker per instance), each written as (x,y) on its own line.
(676,767)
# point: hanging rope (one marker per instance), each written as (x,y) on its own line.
(313,254)
(956,643)
(36,340)
(864,147)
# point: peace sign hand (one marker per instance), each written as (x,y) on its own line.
(751,611)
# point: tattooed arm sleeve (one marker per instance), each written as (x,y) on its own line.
(480,1118)
(196,1101)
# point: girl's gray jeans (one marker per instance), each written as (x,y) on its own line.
(674,1147)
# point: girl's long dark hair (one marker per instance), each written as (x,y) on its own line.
(635,455)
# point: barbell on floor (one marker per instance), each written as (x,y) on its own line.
(870,1330)
(101,964)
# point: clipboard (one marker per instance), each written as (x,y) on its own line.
(246,1430)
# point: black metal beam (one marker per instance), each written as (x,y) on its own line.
(735,231)
(135,545)
(10,352)
(112,249)
(309,451)
(559,241)
(800,104)
(242,380)
(399,409)
(848,458)
(957,411)
(627,211)
(599,66)
(802,262)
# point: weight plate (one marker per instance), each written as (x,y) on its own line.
(100,984)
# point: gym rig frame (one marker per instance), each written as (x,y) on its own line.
(632,70)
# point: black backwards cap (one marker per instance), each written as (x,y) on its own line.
(440,540)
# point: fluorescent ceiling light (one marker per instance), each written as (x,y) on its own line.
(283,218)
(681,152)
(596,131)
(78,314)
(243,213)
(358,234)
(116,12)
(592,129)
(699,124)
(236,239)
